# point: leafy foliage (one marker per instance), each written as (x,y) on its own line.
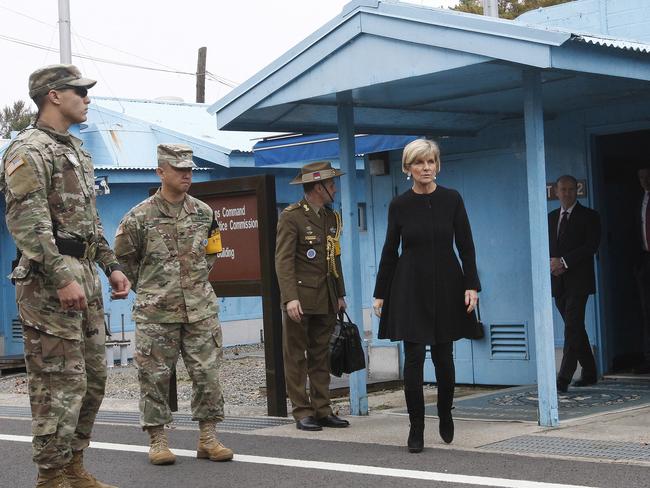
(15,117)
(508,9)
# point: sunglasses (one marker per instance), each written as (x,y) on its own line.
(79,90)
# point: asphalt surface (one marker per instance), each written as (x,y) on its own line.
(131,469)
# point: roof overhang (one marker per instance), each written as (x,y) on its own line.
(414,70)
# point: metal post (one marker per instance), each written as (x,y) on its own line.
(110,359)
(65,49)
(351,255)
(540,268)
(490,8)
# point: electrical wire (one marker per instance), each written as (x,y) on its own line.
(167,69)
(215,78)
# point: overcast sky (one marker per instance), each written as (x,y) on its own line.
(242,36)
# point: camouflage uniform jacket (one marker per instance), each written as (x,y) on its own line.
(301,259)
(49,187)
(163,256)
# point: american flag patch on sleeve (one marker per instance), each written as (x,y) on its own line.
(14,164)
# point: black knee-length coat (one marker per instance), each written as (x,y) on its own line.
(423,288)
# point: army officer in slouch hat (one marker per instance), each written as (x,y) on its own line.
(308,265)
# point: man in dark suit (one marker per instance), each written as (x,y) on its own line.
(574,236)
(642,271)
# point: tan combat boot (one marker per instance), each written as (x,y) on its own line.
(209,447)
(77,475)
(51,478)
(159,452)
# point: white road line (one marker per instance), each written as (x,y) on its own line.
(340,467)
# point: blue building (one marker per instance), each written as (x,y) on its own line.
(514,105)
(122,135)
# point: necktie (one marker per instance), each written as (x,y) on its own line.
(564,221)
(647,225)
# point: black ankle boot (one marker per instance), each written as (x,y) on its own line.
(416,437)
(415,406)
(446,426)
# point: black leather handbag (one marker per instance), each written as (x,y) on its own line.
(346,349)
(479,329)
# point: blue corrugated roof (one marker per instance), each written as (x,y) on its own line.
(191,119)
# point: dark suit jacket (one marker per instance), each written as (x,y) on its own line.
(638,231)
(578,247)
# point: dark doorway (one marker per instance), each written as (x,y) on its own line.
(618,159)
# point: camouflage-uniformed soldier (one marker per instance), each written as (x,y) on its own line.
(48,182)
(308,265)
(161,243)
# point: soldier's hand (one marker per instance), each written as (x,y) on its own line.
(120,285)
(342,305)
(72,297)
(294,310)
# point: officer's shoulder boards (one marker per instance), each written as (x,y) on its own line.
(293,206)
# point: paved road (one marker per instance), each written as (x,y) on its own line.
(264,461)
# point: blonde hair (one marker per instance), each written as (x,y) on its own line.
(420,148)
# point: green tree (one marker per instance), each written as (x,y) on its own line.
(508,9)
(14,118)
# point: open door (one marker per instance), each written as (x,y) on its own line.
(617,158)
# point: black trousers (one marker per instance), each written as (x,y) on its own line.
(576,342)
(643,284)
(443,361)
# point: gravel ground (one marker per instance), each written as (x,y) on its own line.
(243,381)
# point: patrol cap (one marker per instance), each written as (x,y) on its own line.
(55,77)
(318,171)
(176,155)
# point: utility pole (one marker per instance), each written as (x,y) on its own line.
(65,49)
(200,75)
(490,8)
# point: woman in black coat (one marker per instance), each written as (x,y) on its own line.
(423,296)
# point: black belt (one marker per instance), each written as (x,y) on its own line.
(76,248)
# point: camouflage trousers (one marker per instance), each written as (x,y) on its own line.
(157,347)
(66,376)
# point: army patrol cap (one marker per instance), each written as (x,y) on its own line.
(56,77)
(318,171)
(176,155)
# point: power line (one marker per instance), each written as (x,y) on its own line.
(215,78)
(53,26)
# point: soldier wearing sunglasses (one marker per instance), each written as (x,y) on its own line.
(48,182)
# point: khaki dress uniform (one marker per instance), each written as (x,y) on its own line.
(308,267)
(48,182)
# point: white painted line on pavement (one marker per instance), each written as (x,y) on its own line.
(340,467)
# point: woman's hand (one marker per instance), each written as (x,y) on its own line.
(471,299)
(377,305)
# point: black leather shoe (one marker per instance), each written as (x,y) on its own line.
(562,387)
(308,423)
(332,421)
(584,382)
(446,427)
